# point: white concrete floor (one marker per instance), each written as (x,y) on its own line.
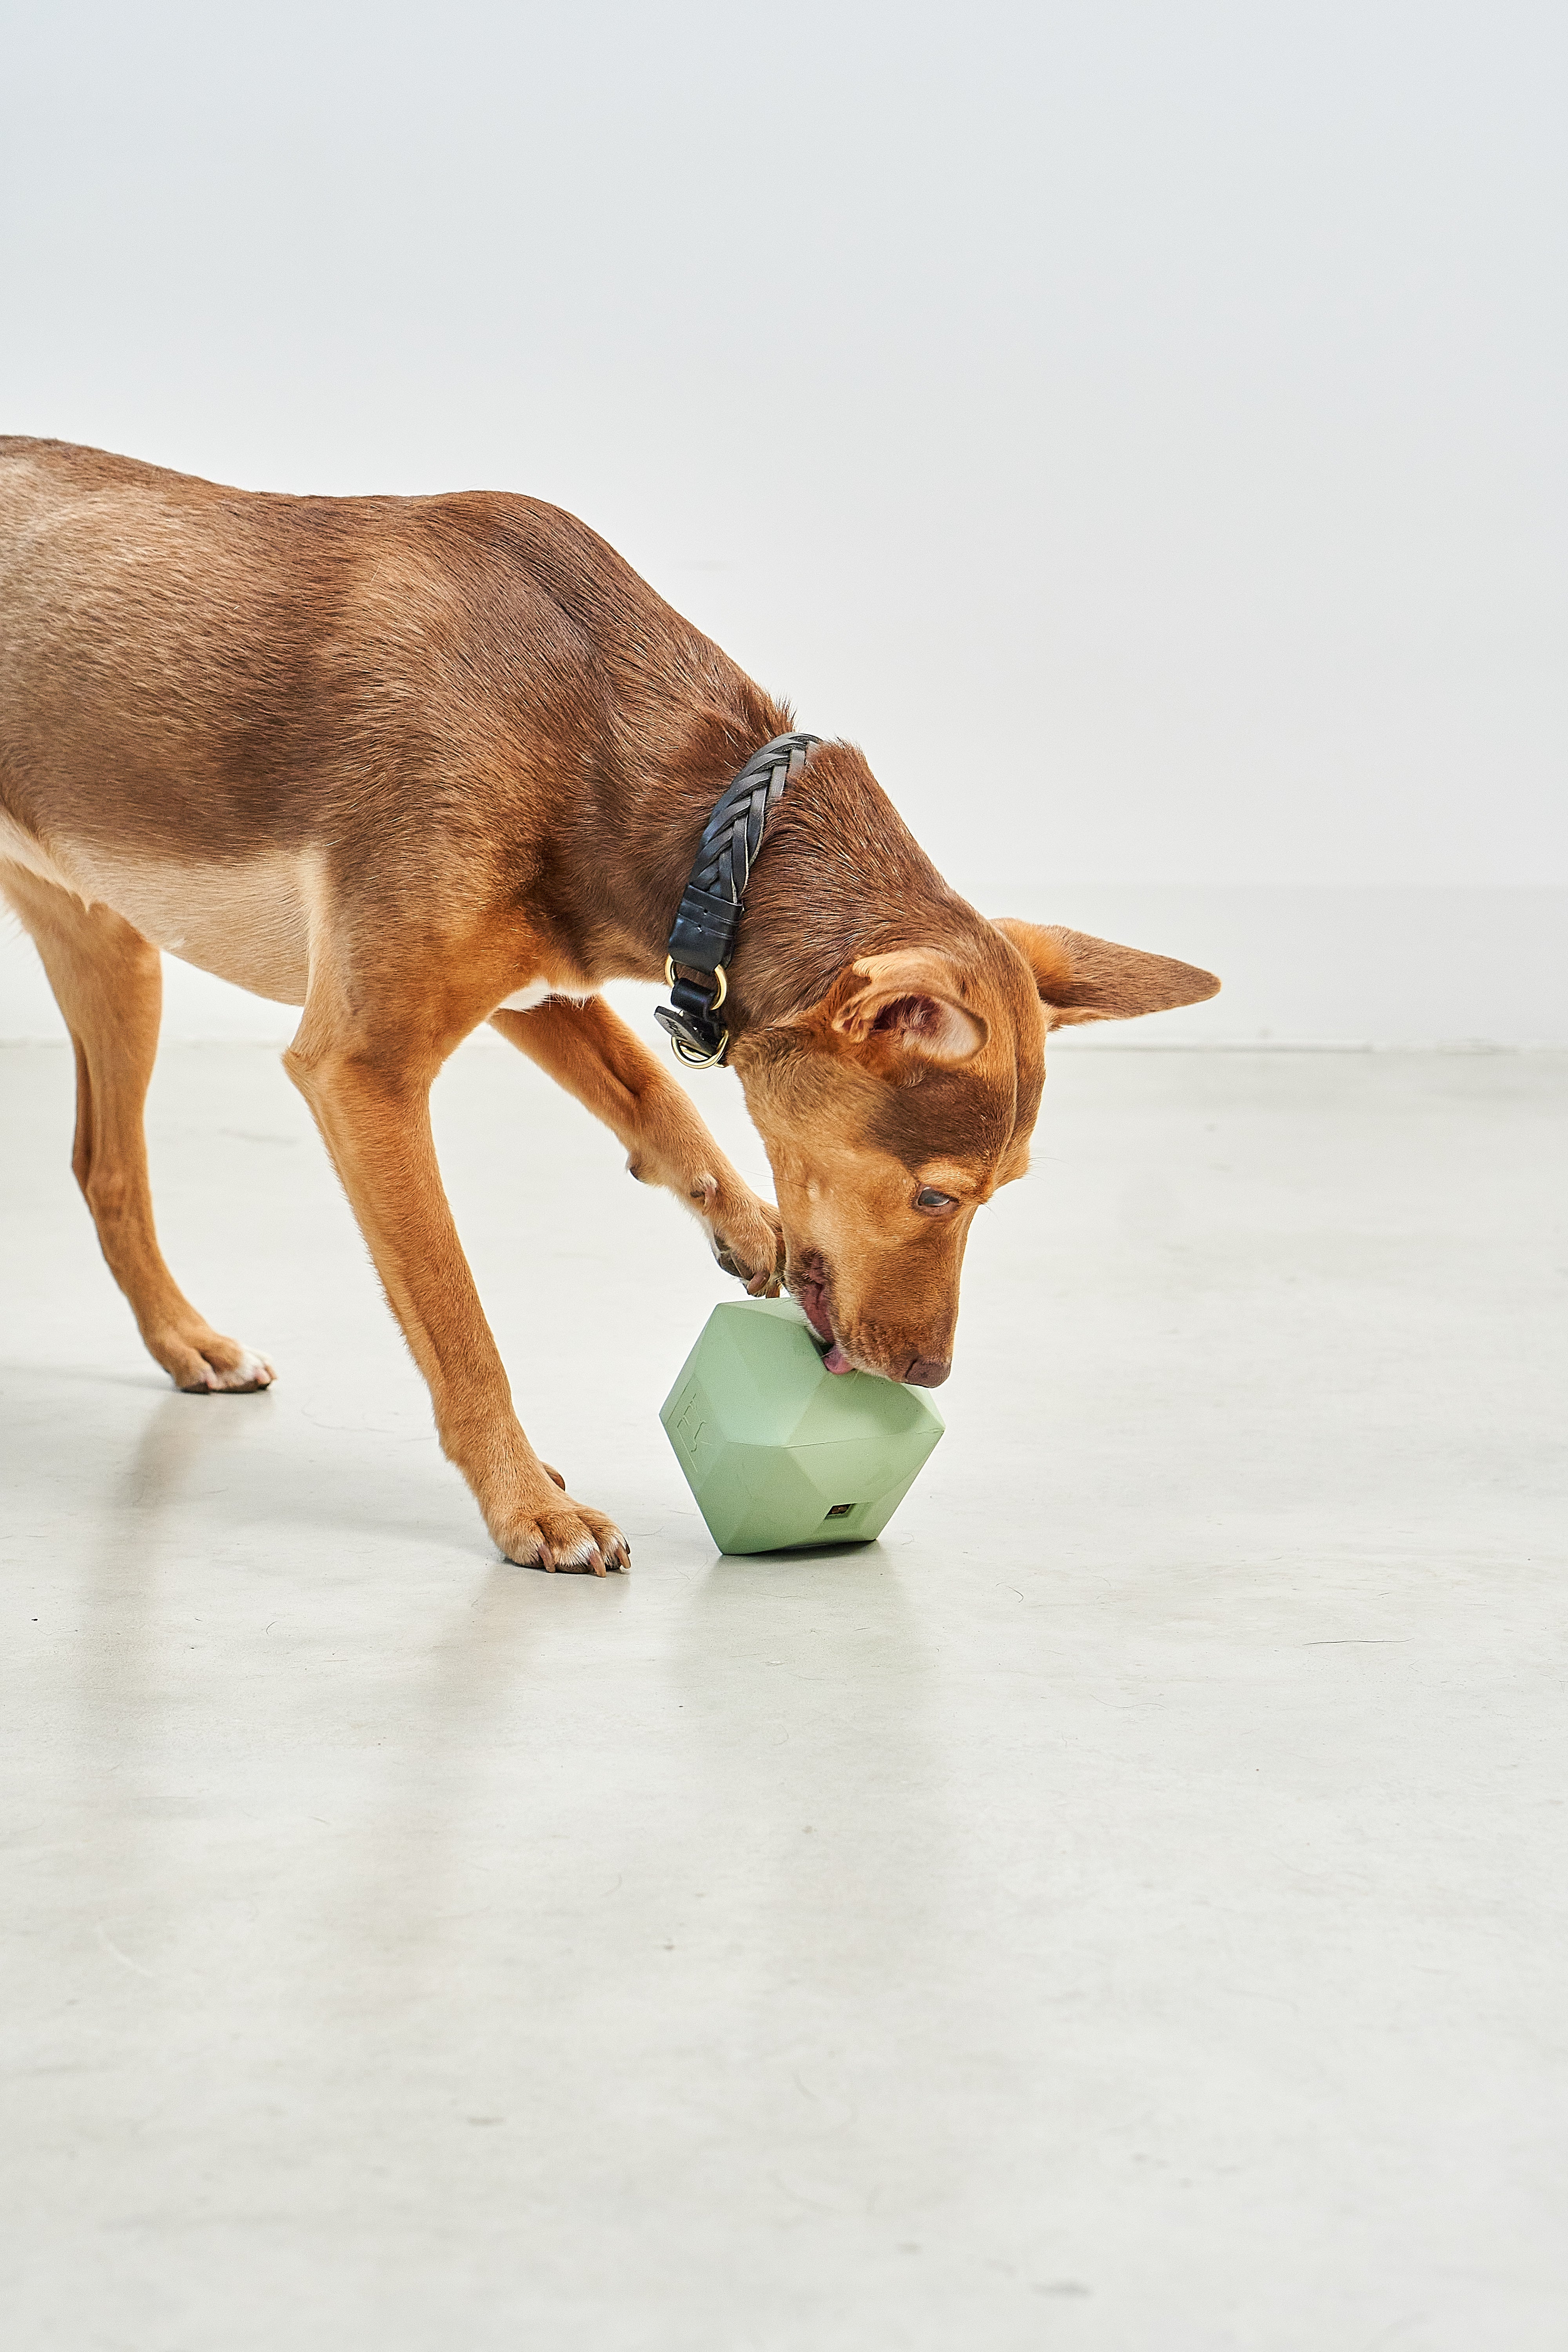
(1123,1909)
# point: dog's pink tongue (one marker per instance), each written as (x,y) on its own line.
(836,1360)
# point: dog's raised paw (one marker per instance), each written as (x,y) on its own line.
(747,1239)
(568,1539)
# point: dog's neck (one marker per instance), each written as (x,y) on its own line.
(838,875)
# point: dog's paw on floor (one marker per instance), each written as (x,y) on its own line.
(205,1363)
(571,1539)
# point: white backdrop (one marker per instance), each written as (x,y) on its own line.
(1139,426)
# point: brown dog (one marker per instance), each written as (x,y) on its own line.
(417,763)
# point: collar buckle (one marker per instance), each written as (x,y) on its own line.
(694,1035)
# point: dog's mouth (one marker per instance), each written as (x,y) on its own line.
(809,1286)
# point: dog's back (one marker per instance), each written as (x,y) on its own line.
(228,656)
(201,686)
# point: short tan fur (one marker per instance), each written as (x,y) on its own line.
(413,764)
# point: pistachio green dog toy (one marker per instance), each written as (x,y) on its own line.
(780,1452)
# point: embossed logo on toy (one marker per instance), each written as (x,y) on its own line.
(691,1421)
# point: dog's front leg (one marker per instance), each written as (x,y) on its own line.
(590,1050)
(374,1111)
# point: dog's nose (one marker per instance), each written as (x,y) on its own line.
(927,1372)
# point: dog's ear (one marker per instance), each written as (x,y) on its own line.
(1084,979)
(911,1003)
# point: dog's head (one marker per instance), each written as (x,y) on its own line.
(894,1106)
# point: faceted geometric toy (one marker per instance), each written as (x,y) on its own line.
(781,1453)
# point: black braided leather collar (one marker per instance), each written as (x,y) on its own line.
(711,906)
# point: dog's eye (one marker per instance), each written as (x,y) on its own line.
(928,1197)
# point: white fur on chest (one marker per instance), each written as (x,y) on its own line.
(539,991)
(524,1000)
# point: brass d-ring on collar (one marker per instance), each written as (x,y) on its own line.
(694,1059)
(685,1050)
(720,974)
(702,939)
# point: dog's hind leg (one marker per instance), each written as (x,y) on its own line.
(590,1050)
(107,981)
